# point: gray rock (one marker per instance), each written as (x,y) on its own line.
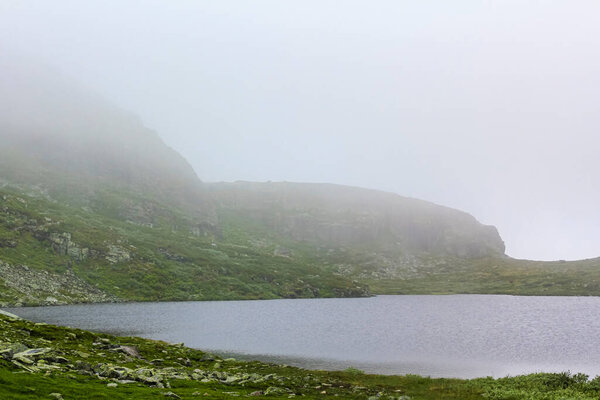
(33,353)
(9,315)
(117,254)
(130,351)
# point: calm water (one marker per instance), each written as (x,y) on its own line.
(452,336)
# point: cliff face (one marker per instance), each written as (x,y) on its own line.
(346,216)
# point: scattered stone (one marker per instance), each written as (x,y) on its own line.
(275,390)
(130,351)
(22,359)
(111,385)
(56,396)
(117,254)
(171,394)
(82,366)
(7,354)
(33,353)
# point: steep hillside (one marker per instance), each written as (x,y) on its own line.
(74,146)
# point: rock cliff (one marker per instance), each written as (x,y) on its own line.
(335,215)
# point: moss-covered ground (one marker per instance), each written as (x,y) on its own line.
(39,361)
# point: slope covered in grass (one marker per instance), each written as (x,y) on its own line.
(172,260)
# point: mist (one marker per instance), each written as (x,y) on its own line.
(488,107)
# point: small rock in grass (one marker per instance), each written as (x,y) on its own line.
(56,396)
(111,385)
(171,394)
(130,351)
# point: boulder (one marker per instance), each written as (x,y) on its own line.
(130,351)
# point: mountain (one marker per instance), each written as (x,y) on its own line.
(94,207)
(343,216)
(69,142)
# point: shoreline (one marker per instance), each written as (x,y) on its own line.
(37,360)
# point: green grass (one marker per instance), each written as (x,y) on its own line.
(502,276)
(167,261)
(239,260)
(79,347)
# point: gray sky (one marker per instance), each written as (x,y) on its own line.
(492,107)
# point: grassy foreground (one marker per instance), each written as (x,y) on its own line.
(40,361)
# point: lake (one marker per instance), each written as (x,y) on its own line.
(440,336)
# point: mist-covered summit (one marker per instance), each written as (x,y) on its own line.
(66,139)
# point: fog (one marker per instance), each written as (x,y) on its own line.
(489,107)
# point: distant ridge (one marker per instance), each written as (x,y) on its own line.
(351,216)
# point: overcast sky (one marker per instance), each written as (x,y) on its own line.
(492,107)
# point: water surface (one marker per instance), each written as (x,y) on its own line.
(452,336)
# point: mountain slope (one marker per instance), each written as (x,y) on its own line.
(341,216)
(96,203)
(69,142)
(95,207)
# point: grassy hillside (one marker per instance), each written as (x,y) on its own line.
(390,268)
(39,361)
(100,257)
(53,253)
(94,206)
(500,276)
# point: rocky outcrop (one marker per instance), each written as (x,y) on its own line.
(117,254)
(62,244)
(26,286)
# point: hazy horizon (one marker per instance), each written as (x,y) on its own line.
(488,107)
